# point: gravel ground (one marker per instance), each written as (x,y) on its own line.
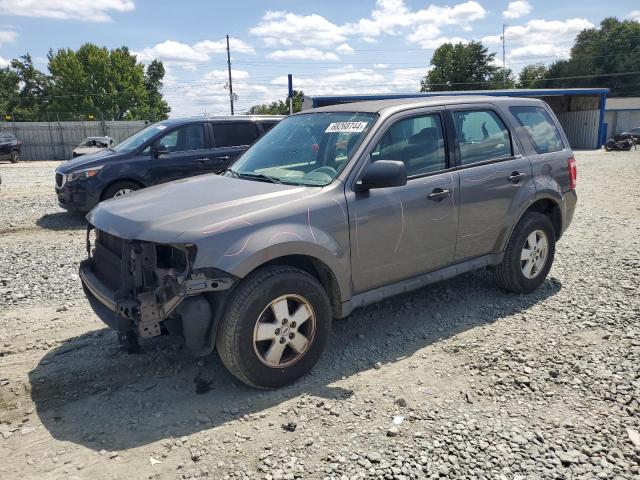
(459,380)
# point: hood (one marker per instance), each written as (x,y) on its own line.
(86,161)
(87,150)
(180,211)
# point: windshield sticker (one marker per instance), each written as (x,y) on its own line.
(346,127)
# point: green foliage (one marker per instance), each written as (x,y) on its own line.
(613,47)
(106,83)
(280,107)
(30,100)
(501,79)
(460,67)
(531,75)
(89,82)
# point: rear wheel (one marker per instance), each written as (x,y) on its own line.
(119,189)
(529,254)
(15,156)
(275,327)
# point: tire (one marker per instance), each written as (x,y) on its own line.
(511,273)
(114,189)
(15,156)
(249,306)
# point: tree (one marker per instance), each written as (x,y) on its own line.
(501,79)
(9,89)
(158,107)
(105,83)
(31,99)
(532,76)
(460,67)
(602,57)
(279,107)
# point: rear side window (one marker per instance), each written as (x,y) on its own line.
(234,134)
(482,136)
(266,126)
(540,128)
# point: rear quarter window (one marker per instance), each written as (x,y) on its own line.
(540,128)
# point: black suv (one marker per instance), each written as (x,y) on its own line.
(9,147)
(162,152)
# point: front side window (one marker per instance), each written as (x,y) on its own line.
(185,138)
(540,128)
(140,138)
(417,141)
(305,149)
(481,136)
(235,134)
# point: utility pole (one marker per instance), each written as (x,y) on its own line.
(504,59)
(230,83)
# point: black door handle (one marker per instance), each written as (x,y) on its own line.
(438,194)
(515,177)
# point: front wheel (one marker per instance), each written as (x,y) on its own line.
(119,189)
(15,156)
(275,327)
(529,254)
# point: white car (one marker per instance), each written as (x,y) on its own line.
(92,145)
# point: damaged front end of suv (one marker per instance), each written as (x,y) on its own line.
(144,289)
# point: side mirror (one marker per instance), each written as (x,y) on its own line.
(159,149)
(383,174)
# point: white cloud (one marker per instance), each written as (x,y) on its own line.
(302,53)
(85,10)
(7,36)
(380,65)
(235,44)
(345,49)
(433,43)
(517,9)
(176,53)
(4,62)
(635,15)
(540,37)
(287,29)
(391,16)
(173,52)
(408,79)
(223,75)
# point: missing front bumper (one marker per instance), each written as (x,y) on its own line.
(135,286)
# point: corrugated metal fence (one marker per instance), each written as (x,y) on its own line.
(581,127)
(56,140)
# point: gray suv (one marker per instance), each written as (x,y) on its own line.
(333,209)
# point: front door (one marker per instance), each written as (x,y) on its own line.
(404,231)
(494,180)
(186,157)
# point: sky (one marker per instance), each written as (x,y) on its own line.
(329,46)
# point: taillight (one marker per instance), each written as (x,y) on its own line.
(573,172)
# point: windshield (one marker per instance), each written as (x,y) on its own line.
(308,149)
(138,139)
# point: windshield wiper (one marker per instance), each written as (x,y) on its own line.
(259,176)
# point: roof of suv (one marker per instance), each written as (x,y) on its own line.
(220,118)
(395,104)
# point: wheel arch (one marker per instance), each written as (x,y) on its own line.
(119,180)
(548,206)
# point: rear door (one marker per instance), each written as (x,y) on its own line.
(495,179)
(187,154)
(231,139)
